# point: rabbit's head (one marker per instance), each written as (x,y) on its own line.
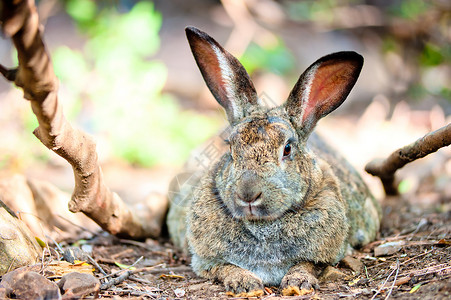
(269,170)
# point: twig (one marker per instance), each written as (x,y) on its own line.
(145,270)
(140,280)
(96,264)
(385,169)
(383,285)
(419,255)
(123,270)
(2,204)
(123,277)
(431,270)
(394,280)
(171,269)
(137,293)
(55,243)
(116,280)
(35,76)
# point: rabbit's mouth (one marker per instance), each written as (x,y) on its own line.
(254,212)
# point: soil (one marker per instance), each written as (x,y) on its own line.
(418,264)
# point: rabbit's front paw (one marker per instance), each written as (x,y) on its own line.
(244,284)
(298,281)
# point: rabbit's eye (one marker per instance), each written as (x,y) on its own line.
(287,150)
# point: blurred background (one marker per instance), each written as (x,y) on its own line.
(128,78)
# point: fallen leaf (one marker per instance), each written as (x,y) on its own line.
(40,242)
(296,291)
(444,242)
(354,282)
(122,266)
(415,288)
(403,280)
(250,294)
(61,268)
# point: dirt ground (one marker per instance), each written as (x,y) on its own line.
(415,232)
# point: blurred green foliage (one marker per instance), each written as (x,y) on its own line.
(417,31)
(116,89)
(275,58)
(312,9)
(432,55)
(408,9)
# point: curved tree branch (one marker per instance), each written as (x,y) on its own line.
(36,77)
(385,169)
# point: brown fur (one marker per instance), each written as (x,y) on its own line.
(263,214)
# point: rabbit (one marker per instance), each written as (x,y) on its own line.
(279,204)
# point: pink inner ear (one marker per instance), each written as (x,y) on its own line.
(211,70)
(326,88)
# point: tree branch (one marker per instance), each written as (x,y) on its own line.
(385,169)
(36,77)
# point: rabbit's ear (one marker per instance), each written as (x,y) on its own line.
(322,88)
(226,78)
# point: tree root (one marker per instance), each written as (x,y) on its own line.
(36,77)
(385,168)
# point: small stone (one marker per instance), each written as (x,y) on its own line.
(23,284)
(388,248)
(72,254)
(351,263)
(78,284)
(179,292)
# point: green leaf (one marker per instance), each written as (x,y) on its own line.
(273,58)
(40,242)
(415,288)
(404,186)
(122,266)
(81,10)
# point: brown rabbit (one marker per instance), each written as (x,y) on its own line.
(280,203)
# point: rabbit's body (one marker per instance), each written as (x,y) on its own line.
(274,206)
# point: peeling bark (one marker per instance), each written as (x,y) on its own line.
(385,168)
(36,77)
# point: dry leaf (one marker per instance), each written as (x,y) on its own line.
(354,281)
(296,291)
(60,268)
(415,288)
(445,242)
(171,276)
(250,294)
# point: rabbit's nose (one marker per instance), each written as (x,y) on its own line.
(247,189)
(249,196)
